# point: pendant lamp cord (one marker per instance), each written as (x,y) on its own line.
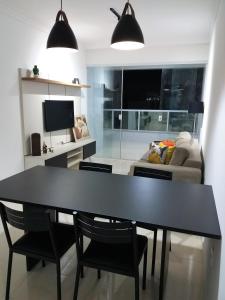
(61,4)
(128,6)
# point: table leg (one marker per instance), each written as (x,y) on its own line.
(164,262)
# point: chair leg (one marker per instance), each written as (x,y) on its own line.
(57,216)
(99,274)
(137,286)
(144,269)
(9,275)
(82,251)
(58,271)
(77,282)
(170,245)
(154,251)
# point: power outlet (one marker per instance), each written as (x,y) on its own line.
(160,118)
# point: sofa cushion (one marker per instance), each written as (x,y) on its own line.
(157,154)
(179,156)
(168,143)
(185,136)
(169,154)
(194,160)
(146,155)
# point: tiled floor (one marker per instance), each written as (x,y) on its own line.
(185,277)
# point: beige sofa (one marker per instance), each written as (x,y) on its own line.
(189,171)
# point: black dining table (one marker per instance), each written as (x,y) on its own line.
(169,206)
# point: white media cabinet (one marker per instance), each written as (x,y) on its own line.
(33,92)
(66,155)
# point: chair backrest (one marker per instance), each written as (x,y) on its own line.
(90,166)
(14,217)
(107,233)
(112,233)
(34,221)
(152,173)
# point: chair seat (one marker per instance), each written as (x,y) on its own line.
(39,243)
(117,257)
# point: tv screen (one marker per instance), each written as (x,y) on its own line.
(141,89)
(58,115)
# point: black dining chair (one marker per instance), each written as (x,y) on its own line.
(113,247)
(96,167)
(152,173)
(157,174)
(90,166)
(42,239)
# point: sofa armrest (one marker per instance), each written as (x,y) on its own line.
(179,173)
(193,163)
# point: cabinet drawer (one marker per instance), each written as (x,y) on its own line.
(89,150)
(57,161)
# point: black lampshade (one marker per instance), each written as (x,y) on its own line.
(196,107)
(61,35)
(127,35)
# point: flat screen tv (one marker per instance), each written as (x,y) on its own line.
(58,115)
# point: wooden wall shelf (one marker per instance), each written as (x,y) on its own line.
(48,81)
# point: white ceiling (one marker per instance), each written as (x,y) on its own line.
(162,21)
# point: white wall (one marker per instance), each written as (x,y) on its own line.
(160,55)
(213,143)
(23,46)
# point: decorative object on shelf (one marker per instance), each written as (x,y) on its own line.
(51,149)
(35,71)
(80,129)
(76,81)
(61,35)
(29,73)
(127,35)
(36,144)
(44,148)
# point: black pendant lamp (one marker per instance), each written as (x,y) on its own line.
(127,35)
(61,35)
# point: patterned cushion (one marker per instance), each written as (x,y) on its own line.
(157,154)
(169,143)
(170,149)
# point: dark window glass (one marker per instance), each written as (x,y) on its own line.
(180,87)
(112,88)
(141,89)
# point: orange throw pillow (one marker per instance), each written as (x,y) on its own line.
(168,143)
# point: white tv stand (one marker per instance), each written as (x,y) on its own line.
(66,155)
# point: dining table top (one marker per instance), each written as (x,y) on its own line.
(175,206)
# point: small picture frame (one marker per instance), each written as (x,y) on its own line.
(80,129)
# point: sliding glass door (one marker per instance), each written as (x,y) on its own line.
(104,110)
(122,132)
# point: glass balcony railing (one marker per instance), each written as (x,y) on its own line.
(181,122)
(150,120)
(153,121)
